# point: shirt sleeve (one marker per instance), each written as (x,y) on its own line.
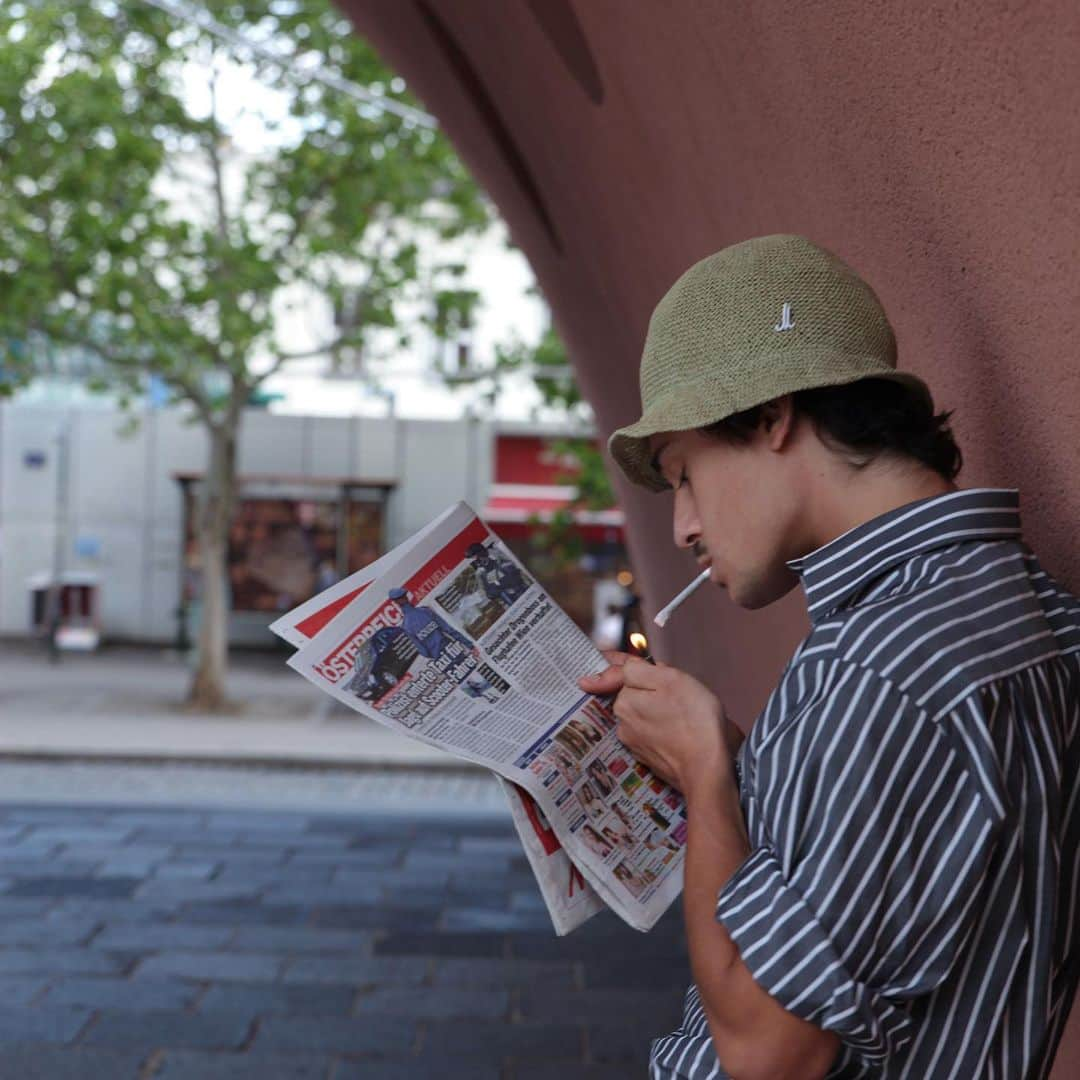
(874,849)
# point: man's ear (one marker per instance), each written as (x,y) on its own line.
(777,420)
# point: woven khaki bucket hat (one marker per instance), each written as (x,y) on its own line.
(750,323)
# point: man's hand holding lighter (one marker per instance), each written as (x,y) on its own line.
(668,720)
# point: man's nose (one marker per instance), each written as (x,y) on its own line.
(686,528)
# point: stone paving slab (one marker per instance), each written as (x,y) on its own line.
(41,1061)
(191,1065)
(444,1070)
(308,947)
(262,999)
(220,966)
(153,1028)
(123,993)
(381,1036)
(60,961)
(46,1023)
(547,1071)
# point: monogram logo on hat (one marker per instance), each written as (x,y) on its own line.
(786,322)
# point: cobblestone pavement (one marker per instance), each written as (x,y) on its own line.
(232,944)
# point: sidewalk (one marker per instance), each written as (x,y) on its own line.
(125,704)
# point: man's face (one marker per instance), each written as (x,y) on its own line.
(734,508)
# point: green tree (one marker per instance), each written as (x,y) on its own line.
(130,224)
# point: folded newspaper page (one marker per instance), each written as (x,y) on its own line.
(451,641)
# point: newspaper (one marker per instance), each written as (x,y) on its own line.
(569,898)
(450,640)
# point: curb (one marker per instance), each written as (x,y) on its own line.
(452,766)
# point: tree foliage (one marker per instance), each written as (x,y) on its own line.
(129,222)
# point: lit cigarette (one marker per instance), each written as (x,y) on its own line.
(664,613)
(641,646)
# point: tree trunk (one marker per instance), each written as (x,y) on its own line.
(207,692)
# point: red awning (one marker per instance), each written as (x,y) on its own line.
(519,503)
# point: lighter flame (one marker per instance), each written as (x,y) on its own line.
(639,641)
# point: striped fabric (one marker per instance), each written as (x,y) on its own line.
(912,798)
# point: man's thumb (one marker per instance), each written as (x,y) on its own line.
(607,681)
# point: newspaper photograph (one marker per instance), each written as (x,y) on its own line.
(453,642)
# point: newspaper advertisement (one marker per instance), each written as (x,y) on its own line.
(454,643)
(570,900)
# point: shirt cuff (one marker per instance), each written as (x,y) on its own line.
(792,957)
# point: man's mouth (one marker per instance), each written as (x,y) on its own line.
(714,577)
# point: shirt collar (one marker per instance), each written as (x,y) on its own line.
(837,570)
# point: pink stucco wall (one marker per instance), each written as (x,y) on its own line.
(936,150)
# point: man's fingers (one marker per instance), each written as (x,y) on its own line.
(642,675)
(626,670)
(608,681)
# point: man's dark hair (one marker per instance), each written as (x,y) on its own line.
(863,420)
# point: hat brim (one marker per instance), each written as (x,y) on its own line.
(688,407)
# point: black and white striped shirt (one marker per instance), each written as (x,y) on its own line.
(912,798)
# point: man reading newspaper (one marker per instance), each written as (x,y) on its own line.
(891,890)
